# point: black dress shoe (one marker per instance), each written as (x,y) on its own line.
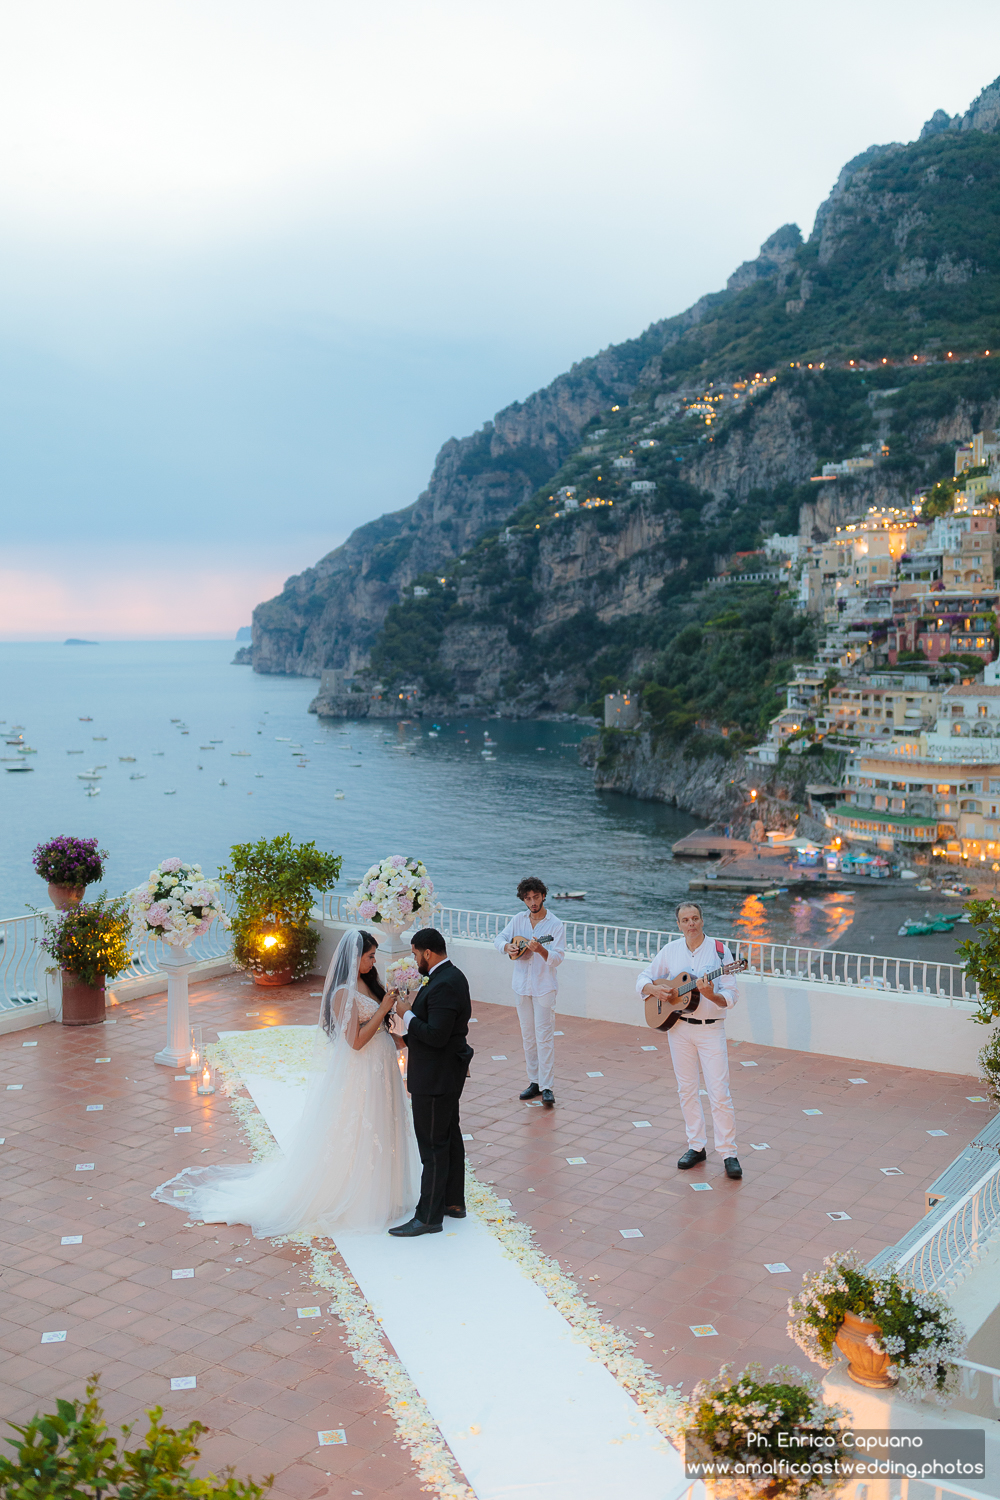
(733,1168)
(691,1158)
(454,1213)
(413,1228)
(531,1092)
(548,1097)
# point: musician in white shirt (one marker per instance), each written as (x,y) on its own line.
(698,1038)
(534,983)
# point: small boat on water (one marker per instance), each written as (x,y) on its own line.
(92,791)
(206,747)
(99,736)
(568,896)
(176,721)
(223,783)
(93,775)
(241,752)
(338,796)
(259,775)
(74,752)
(85,719)
(215,742)
(171,793)
(158,752)
(137,776)
(126,757)
(19,768)
(283,739)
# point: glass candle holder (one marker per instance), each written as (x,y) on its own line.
(194,1063)
(206,1083)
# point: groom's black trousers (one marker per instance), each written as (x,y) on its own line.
(442,1154)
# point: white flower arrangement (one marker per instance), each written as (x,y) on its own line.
(176,904)
(919,1330)
(394,891)
(740,1420)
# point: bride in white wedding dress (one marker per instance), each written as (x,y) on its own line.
(352,1161)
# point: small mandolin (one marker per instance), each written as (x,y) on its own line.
(521,943)
(662,1014)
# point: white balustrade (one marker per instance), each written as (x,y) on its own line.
(947,982)
(945,1253)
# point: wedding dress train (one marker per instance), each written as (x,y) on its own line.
(352,1162)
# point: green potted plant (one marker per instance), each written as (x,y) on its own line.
(69,865)
(273,882)
(69,1453)
(884,1328)
(88,942)
(736,1422)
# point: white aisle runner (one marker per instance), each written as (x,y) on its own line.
(528,1411)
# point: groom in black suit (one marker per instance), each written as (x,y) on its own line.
(436,1031)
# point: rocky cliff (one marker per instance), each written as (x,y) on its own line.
(678,449)
(329,615)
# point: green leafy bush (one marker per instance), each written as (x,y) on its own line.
(981,957)
(273,881)
(69,1454)
(90,940)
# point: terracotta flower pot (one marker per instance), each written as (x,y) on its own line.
(280,976)
(864,1366)
(65,897)
(82,1004)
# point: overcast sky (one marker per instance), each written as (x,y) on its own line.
(261,259)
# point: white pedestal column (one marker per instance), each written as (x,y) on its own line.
(177,964)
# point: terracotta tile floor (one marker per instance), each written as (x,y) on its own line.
(268,1383)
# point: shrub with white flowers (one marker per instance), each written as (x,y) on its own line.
(919,1330)
(176,904)
(738,1420)
(395,891)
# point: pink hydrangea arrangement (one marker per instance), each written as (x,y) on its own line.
(394,891)
(176,904)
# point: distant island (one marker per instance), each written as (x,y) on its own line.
(74,642)
(244,633)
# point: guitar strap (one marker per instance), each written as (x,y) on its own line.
(695,1000)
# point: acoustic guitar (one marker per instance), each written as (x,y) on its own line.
(521,944)
(662,1014)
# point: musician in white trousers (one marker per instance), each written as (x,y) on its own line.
(697,1039)
(534,983)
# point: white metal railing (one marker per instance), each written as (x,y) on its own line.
(944,1253)
(970,1381)
(23,962)
(944,982)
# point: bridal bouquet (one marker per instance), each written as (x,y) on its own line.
(404,975)
(394,891)
(176,904)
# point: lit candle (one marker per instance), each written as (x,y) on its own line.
(194,1063)
(206,1086)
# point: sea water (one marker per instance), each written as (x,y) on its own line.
(162,723)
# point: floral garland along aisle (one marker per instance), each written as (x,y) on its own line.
(415,1427)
